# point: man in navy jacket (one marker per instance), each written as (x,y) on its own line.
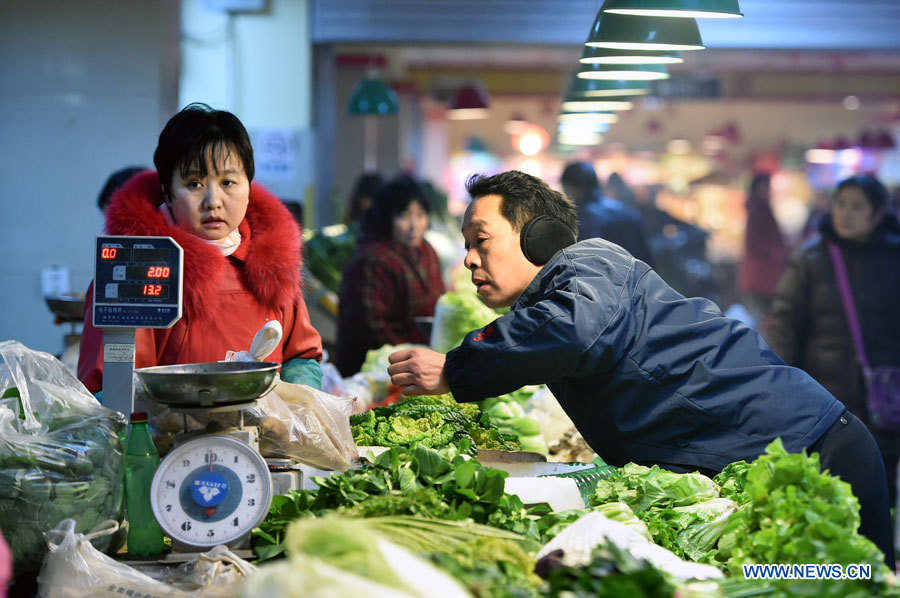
(645,374)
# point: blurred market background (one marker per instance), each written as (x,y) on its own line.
(807,91)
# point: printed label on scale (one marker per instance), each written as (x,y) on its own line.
(118,352)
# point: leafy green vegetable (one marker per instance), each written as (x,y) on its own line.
(417,482)
(795,515)
(325,255)
(619,511)
(455,316)
(491,568)
(431,421)
(612,573)
(691,531)
(644,487)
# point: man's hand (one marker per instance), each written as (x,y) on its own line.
(418,372)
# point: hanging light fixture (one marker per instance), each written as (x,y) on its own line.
(595,55)
(706,9)
(468,103)
(626,72)
(598,88)
(372,97)
(588,118)
(628,32)
(576,104)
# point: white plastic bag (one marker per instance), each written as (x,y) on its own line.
(75,569)
(578,541)
(264,342)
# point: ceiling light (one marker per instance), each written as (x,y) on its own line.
(624,72)
(597,88)
(707,9)
(628,32)
(573,104)
(579,138)
(588,117)
(595,55)
(372,97)
(468,103)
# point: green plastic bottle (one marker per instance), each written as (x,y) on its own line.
(141,460)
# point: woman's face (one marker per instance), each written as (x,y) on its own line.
(409,226)
(211,206)
(853,215)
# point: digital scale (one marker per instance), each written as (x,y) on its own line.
(212,489)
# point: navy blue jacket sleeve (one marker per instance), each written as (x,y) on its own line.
(539,343)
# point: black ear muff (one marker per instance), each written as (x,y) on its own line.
(542,237)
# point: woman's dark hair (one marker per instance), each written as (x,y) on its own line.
(759,179)
(198,132)
(367,185)
(116,180)
(871,187)
(392,199)
(524,197)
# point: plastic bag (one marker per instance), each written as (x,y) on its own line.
(60,454)
(264,342)
(302,423)
(589,531)
(75,569)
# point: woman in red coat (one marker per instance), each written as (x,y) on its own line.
(393,277)
(241,252)
(765,252)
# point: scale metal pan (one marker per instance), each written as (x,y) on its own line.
(208,384)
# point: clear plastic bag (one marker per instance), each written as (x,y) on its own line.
(75,569)
(302,423)
(60,454)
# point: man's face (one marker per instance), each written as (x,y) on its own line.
(500,271)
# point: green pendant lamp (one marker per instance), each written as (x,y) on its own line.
(371,97)
(576,104)
(594,55)
(700,9)
(628,32)
(624,72)
(588,118)
(598,88)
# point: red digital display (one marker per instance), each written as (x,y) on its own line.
(108,253)
(153,290)
(147,272)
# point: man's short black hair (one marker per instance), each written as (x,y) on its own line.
(524,197)
(392,199)
(580,175)
(198,132)
(116,180)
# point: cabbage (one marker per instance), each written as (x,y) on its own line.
(455,316)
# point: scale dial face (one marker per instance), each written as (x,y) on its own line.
(211,491)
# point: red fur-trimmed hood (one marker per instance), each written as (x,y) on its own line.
(272,260)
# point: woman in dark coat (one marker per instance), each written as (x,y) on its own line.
(808,327)
(393,277)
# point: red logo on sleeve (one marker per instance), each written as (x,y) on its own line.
(486,332)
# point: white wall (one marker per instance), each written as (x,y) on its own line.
(83,91)
(258,66)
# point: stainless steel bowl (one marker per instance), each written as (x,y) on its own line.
(208,384)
